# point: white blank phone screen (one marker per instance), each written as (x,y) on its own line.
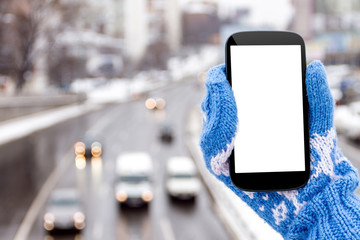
(267,84)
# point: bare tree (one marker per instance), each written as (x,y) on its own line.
(31,21)
(25,30)
(6,53)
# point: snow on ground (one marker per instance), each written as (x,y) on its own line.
(113,91)
(194,64)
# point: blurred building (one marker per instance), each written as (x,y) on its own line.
(201,23)
(304,18)
(173,23)
(140,24)
(63,39)
(151,27)
(333,15)
(331,29)
(91,46)
(104,17)
(135,28)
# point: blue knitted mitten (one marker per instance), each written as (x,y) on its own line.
(325,208)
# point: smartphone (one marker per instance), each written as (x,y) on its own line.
(266,70)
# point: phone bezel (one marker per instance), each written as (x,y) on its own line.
(271,181)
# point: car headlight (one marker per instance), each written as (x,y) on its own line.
(79,217)
(79,148)
(160,103)
(150,103)
(79,220)
(121,196)
(147,196)
(49,221)
(96,149)
(49,217)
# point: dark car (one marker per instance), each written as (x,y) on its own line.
(166,134)
(89,146)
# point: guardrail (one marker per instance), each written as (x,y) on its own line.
(17,106)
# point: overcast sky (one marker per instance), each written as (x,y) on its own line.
(275,12)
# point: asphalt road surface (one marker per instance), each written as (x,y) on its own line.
(26,164)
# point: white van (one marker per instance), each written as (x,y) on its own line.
(134,172)
(182,181)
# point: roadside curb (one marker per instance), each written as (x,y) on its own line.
(234,227)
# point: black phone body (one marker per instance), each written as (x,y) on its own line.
(266,70)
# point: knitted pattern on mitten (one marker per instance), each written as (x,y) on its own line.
(325,208)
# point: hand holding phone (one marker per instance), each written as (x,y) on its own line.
(318,208)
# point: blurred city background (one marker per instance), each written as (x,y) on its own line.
(100,112)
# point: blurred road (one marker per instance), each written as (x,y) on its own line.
(122,127)
(26,164)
